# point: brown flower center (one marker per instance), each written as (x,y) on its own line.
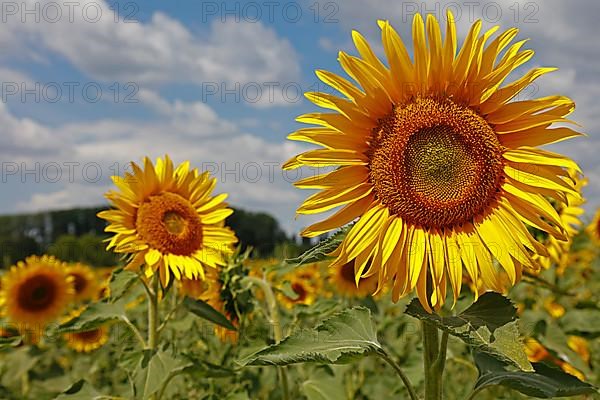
(89,336)
(435,164)
(37,293)
(299,289)
(347,272)
(79,282)
(170,224)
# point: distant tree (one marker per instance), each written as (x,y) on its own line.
(259,230)
(88,248)
(16,248)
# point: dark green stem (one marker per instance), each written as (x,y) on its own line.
(434,360)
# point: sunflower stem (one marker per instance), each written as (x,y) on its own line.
(273,316)
(153,315)
(411,391)
(134,330)
(434,360)
(153,318)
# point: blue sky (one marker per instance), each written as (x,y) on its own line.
(218,83)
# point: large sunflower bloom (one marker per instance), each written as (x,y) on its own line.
(167,219)
(36,292)
(434,159)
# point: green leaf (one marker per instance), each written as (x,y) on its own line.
(325,388)
(339,339)
(555,340)
(545,382)
(205,311)
(120,282)
(585,320)
(93,317)
(81,390)
(489,325)
(154,370)
(288,291)
(16,363)
(322,250)
(10,341)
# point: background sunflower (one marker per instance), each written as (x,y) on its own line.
(167,220)
(36,291)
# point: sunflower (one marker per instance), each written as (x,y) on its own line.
(436,161)
(553,308)
(86,341)
(166,218)
(306,284)
(593,229)
(35,292)
(84,281)
(580,346)
(343,279)
(536,352)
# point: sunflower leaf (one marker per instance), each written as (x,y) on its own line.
(81,390)
(207,312)
(544,382)
(154,370)
(585,320)
(120,282)
(93,317)
(489,325)
(337,340)
(321,250)
(324,388)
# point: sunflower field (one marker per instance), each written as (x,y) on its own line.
(451,256)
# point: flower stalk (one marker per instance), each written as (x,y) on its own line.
(434,360)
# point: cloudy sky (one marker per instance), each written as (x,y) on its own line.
(89,85)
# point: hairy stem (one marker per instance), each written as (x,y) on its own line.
(411,391)
(273,312)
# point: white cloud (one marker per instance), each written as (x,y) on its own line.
(157,52)
(246,166)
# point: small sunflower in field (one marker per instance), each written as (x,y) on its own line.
(435,161)
(342,278)
(593,229)
(86,341)
(85,281)
(580,346)
(167,219)
(536,352)
(35,292)
(553,308)
(305,283)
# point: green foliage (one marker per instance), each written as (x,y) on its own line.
(89,249)
(16,247)
(120,282)
(204,310)
(154,371)
(544,382)
(93,317)
(489,326)
(257,230)
(338,339)
(322,249)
